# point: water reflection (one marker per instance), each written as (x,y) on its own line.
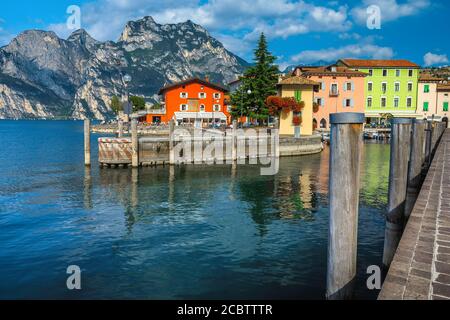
(171,232)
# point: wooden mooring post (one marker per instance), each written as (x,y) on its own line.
(345,157)
(398,180)
(87,142)
(416,162)
(171,142)
(134,144)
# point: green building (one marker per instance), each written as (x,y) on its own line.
(391,87)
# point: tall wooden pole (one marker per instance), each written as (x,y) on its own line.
(345,158)
(234,143)
(398,180)
(87,142)
(415,165)
(134,144)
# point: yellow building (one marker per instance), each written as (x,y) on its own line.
(302,89)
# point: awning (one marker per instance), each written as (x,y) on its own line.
(200,115)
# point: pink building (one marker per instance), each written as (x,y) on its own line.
(341,90)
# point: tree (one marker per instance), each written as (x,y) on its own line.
(116,105)
(260,80)
(138,103)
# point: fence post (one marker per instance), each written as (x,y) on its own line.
(87,142)
(398,180)
(345,157)
(134,144)
(171,142)
(415,165)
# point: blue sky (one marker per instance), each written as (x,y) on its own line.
(298,31)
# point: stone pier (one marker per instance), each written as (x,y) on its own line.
(421,266)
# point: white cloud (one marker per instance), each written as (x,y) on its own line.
(238,24)
(364,50)
(431,59)
(390,9)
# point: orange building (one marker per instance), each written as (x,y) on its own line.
(195,101)
(341,90)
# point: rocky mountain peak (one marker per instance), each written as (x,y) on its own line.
(77,77)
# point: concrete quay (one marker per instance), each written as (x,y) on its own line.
(420,269)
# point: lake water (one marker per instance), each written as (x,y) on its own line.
(183,233)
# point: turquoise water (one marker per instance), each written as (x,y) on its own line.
(182,233)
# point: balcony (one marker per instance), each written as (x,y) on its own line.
(334,92)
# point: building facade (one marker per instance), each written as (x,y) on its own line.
(195,101)
(443,100)
(341,90)
(390,87)
(427,105)
(302,89)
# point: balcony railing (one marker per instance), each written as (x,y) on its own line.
(334,93)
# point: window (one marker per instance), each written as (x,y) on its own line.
(217,95)
(202,95)
(397,73)
(319,101)
(348,103)
(334,89)
(183,95)
(410,73)
(229,109)
(369,102)
(385,73)
(370,86)
(383,102)
(183,107)
(425,106)
(410,86)
(370,72)
(445,107)
(384,87)
(397,86)
(202,108)
(216,107)
(426,88)
(348,86)
(409,102)
(396,102)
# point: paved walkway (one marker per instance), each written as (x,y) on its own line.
(421,266)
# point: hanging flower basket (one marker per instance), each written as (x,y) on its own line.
(297,121)
(315,107)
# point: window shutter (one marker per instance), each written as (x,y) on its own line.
(351,103)
(353,86)
(345,86)
(322,102)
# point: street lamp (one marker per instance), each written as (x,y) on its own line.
(126,80)
(249,92)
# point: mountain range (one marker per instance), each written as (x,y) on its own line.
(44,76)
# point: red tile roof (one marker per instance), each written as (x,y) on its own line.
(360,63)
(193,80)
(328,71)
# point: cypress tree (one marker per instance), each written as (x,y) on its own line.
(261,80)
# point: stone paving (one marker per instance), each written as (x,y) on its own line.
(421,266)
